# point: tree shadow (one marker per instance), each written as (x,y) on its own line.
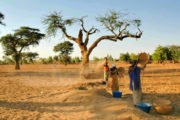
(42,74)
(39,106)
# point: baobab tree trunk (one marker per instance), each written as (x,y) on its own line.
(84,65)
(17,58)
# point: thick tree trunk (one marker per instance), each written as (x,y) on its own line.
(17,58)
(84,66)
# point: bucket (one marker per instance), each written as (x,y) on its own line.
(117,94)
(144,106)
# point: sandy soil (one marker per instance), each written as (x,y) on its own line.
(55,92)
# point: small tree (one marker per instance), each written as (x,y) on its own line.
(50,60)
(175,52)
(133,56)
(13,44)
(29,57)
(64,49)
(43,60)
(124,57)
(77,60)
(109,57)
(96,59)
(56,58)
(162,53)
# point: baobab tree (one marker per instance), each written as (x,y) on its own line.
(14,44)
(112,21)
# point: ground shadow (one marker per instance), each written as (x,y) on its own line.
(127,99)
(42,74)
(39,106)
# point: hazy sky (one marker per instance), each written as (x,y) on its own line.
(160,22)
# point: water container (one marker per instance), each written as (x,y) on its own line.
(117,94)
(144,106)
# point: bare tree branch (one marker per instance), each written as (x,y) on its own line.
(109,29)
(131,35)
(121,32)
(82,23)
(99,40)
(65,33)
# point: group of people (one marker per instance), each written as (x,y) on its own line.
(134,75)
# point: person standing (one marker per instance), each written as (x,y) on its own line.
(106,70)
(114,78)
(135,82)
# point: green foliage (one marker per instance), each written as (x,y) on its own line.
(77,60)
(137,22)
(43,60)
(113,20)
(133,56)
(65,59)
(29,57)
(162,53)
(21,39)
(124,57)
(49,60)
(1,18)
(96,59)
(53,20)
(13,44)
(175,52)
(65,48)
(109,57)
(56,58)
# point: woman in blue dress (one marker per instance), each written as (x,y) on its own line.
(135,81)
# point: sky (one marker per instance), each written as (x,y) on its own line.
(160,23)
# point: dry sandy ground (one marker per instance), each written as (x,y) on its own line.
(55,92)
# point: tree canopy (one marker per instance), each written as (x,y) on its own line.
(171,52)
(161,53)
(64,49)
(13,44)
(175,52)
(29,56)
(124,57)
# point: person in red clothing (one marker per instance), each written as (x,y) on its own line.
(106,70)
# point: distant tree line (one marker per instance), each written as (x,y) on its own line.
(161,54)
(40,60)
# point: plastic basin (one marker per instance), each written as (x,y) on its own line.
(117,94)
(144,106)
(162,106)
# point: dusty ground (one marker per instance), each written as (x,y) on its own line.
(55,92)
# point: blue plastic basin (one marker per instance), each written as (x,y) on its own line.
(117,94)
(144,106)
